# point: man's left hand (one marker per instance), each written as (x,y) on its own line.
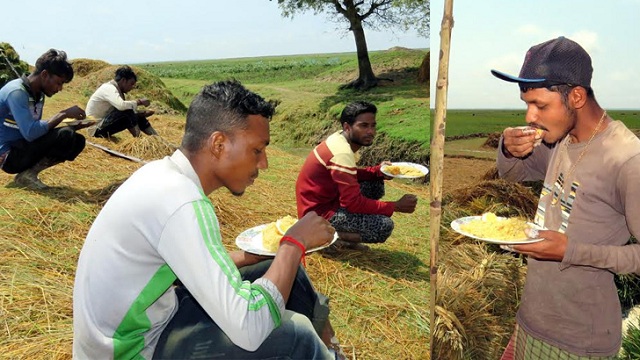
(552,247)
(242,258)
(386,163)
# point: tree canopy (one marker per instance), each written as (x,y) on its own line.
(355,15)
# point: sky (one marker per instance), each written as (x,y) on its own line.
(129,32)
(496,34)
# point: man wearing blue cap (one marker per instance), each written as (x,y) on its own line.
(589,207)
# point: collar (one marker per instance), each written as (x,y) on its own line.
(180,160)
(27,86)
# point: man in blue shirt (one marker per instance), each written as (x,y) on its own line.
(29,144)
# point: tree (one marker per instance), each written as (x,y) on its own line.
(355,15)
(11,66)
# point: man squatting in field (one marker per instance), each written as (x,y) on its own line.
(29,144)
(108,104)
(331,184)
(589,206)
(160,226)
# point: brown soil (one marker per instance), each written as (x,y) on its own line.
(463,172)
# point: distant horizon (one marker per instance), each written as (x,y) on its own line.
(514,27)
(267,56)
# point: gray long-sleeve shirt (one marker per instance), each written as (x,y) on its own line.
(573,304)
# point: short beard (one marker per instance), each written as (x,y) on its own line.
(238,194)
(354,141)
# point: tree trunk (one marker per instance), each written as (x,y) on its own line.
(423,73)
(366,78)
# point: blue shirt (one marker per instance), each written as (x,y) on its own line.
(20,114)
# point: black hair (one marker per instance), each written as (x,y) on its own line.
(55,62)
(563,90)
(222,106)
(125,72)
(352,110)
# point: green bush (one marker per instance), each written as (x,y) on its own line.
(631,343)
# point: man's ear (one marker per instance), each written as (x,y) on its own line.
(578,97)
(216,143)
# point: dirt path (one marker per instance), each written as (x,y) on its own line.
(463,172)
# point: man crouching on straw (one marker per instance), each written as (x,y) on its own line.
(160,226)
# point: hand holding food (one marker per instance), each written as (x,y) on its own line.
(520,141)
(312,231)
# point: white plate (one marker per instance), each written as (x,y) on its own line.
(250,241)
(73,122)
(422,168)
(455,225)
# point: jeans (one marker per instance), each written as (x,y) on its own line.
(192,334)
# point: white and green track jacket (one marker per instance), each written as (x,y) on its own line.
(159,226)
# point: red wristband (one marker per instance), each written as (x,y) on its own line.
(298,244)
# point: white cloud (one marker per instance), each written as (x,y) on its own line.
(587,39)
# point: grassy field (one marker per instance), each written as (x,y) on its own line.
(466,122)
(466,130)
(379,299)
(307,88)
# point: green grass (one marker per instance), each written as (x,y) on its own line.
(465,122)
(309,94)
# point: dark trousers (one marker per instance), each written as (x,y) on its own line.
(117,121)
(59,144)
(192,334)
(372,228)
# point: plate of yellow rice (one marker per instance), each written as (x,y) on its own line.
(495,229)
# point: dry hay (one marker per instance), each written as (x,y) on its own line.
(491,174)
(478,294)
(479,285)
(147,147)
(84,67)
(392,149)
(493,140)
(499,196)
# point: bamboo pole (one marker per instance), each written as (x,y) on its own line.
(437,156)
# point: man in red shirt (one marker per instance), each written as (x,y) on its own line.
(333,186)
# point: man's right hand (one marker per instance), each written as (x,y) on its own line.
(406,204)
(74,112)
(518,142)
(312,231)
(143,102)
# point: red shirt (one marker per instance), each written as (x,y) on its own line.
(329,180)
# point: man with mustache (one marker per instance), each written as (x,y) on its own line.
(589,207)
(331,184)
(29,144)
(160,228)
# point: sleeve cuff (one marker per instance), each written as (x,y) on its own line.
(569,255)
(273,291)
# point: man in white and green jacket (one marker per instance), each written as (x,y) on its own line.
(160,226)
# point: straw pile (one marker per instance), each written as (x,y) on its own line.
(479,284)
(493,140)
(147,147)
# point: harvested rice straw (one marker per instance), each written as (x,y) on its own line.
(147,147)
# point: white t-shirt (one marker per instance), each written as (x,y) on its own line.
(107,98)
(159,226)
